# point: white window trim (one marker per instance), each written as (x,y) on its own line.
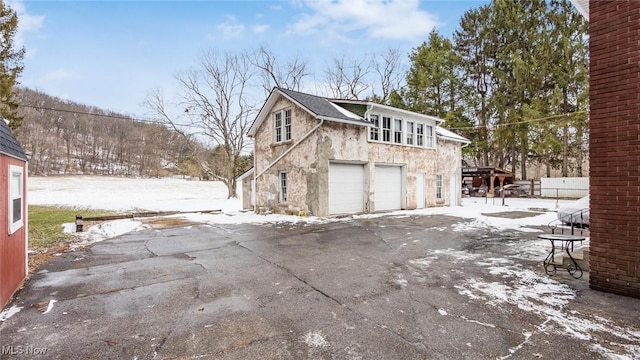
(428,132)
(429,138)
(282,190)
(398,132)
(287,124)
(388,131)
(439,187)
(277,127)
(15,226)
(410,133)
(285,128)
(375,127)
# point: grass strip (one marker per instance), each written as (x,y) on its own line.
(45,224)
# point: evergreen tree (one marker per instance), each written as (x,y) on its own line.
(470,45)
(433,82)
(10,65)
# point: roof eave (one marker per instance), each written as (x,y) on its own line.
(14,156)
(344,121)
(406,112)
(582,6)
(465,141)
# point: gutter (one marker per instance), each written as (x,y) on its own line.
(256,176)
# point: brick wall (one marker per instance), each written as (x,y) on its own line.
(614,31)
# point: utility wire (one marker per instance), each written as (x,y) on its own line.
(120,117)
(477,127)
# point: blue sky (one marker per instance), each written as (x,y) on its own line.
(110,54)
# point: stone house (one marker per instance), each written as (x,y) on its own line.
(324,157)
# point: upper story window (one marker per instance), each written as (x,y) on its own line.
(386,129)
(428,136)
(420,134)
(282,125)
(410,134)
(399,131)
(374,132)
(16,198)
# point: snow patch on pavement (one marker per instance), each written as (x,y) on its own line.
(547,298)
(6,314)
(315,339)
(50,306)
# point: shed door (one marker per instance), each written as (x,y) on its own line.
(346,188)
(388,188)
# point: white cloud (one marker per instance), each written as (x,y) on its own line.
(260,28)
(26,22)
(380,19)
(59,74)
(231,29)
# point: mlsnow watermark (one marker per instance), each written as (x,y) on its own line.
(20,350)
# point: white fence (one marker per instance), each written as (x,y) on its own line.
(568,187)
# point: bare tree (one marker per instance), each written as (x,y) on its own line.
(390,73)
(274,73)
(347,80)
(215,102)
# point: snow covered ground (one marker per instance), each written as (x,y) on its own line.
(169,194)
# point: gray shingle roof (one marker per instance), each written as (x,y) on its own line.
(8,143)
(320,106)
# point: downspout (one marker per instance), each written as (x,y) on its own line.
(367,205)
(287,151)
(255,184)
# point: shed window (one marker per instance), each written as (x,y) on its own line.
(16,198)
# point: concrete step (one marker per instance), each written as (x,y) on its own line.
(580,254)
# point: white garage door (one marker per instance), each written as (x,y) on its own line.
(388,188)
(346,188)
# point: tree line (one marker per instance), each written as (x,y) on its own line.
(514,80)
(64,137)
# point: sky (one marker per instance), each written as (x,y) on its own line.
(112,54)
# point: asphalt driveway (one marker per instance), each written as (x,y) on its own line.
(404,287)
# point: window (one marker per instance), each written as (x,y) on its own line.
(397,131)
(374,132)
(420,134)
(410,133)
(428,136)
(287,125)
(386,129)
(439,187)
(282,127)
(283,186)
(278,126)
(16,174)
